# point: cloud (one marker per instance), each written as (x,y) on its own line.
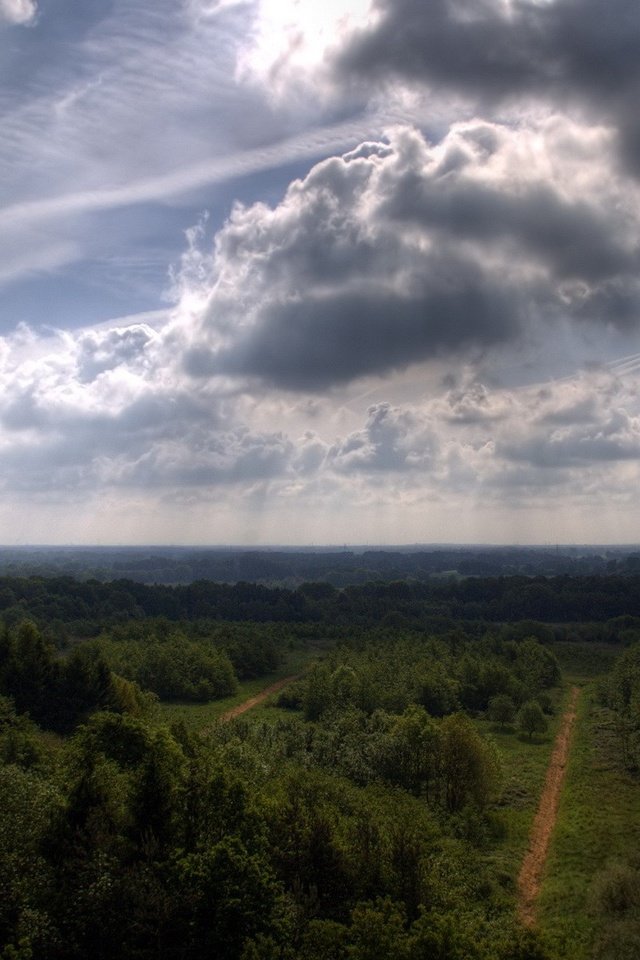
(577,439)
(18,11)
(109,409)
(568,53)
(289,39)
(376,339)
(400,252)
(396,254)
(208,458)
(582,423)
(183,180)
(99,352)
(473,404)
(573,438)
(112,411)
(114,115)
(393,439)
(554,434)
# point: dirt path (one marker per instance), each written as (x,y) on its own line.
(259,698)
(530,878)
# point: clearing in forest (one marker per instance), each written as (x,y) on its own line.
(530,878)
(259,698)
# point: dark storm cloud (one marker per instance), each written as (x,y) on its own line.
(493,51)
(617,300)
(573,239)
(326,340)
(436,41)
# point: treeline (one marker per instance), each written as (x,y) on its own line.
(341,568)
(198,662)
(65,605)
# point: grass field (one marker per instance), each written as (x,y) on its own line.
(598,825)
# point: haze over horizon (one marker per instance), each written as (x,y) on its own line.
(281,273)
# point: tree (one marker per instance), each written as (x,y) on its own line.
(502,709)
(437,692)
(19,741)
(85,685)
(31,673)
(227,895)
(410,750)
(317,697)
(536,665)
(531,719)
(28,806)
(378,931)
(470,765)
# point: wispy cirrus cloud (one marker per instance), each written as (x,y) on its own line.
(186,179)
(140,109)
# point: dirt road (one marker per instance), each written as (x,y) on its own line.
(259,698)
(530,878)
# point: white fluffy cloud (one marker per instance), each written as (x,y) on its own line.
(403,251)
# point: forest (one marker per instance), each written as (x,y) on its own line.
(378,806)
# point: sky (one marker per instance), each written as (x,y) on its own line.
(282,272)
